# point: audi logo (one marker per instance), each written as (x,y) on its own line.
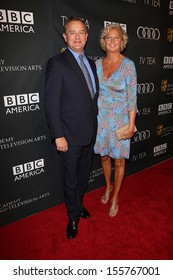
(141,135)
(148,33)
(145,88)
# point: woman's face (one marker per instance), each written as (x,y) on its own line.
(113,40)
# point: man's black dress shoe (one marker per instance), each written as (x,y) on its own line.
(72,229)
(84,213)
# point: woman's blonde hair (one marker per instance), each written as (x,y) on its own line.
(118,27)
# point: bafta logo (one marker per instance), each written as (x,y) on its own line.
(164,85)
(170,35)
(159,129)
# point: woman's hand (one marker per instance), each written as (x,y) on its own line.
(128,133)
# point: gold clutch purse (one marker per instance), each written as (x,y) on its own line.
(121,130)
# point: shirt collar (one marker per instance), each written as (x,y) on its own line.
(76,55)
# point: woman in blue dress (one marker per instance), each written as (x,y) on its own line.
(117,107)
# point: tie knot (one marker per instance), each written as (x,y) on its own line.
(81,57)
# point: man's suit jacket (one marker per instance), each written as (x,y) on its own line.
(70,110)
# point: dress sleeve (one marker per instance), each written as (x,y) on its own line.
(131,83)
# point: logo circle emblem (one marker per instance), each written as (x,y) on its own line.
(141,135)
(148,33)
(145,88)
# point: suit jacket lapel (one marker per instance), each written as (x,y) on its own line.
(74,64)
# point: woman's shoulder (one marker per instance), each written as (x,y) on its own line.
(129,64)
(98,62)
(128,61)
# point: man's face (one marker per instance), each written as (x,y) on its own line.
(76,36)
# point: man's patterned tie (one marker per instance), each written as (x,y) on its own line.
(87,75)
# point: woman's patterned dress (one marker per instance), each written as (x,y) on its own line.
(117,96)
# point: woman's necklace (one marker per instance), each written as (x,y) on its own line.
(108,66)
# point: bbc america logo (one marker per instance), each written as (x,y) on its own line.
(166,106)
(171,8)
(21,103)
(16,21)
(148,33)
(29,169)
(171,5)
(123,25)
(168,62)
(160,149)
(164,109)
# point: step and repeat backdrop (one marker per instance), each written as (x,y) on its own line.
(31,32)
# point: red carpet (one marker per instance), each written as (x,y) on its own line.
(142,230)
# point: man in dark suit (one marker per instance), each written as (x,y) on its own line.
(71,109)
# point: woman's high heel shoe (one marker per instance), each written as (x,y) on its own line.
(106,195)
(113,209)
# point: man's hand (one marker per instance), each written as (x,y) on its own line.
(61,144)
